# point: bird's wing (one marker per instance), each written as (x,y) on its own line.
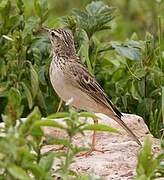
(88,84)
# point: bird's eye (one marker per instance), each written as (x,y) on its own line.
(52,34)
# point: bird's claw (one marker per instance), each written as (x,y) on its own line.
(88,153)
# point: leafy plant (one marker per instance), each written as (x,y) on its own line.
(85,24)
(94,18)
(21,142)
(24,56)
(149,167)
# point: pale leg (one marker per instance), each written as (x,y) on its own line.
(93,144)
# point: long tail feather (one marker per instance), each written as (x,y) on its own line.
(124,126)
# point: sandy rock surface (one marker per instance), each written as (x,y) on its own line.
(119,160)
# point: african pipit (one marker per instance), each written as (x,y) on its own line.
(71,79)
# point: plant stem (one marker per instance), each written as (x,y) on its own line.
(60,105)
(132,72)
(68,161)
(160,58)
(160,41)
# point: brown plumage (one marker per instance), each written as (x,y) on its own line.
(71,79)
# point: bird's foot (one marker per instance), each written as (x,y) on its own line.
(88,153)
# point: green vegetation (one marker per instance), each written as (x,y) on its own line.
(121,44)
(149,167)
(21,142)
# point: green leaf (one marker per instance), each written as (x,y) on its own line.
(46,162)
(14,97)
(141,88)
(145,106)
(28,95)
(36,170)
(96,7)
(37,131)
(146,163)
(34,81)
(58,115)
(18,173)
(104,47)
(41,101)
(163,104)
(32,118)
(99,127)
(41,75)
(38,8)
(40,46)
(134,91)
(31,23)
(50,123)
(3,69)
(83,43)
(140,72)
(81,37)
(20,5)
(94,18)
(88,114)
(129,51)
(58,141)
(5,7)
(118,74)
(14,108)
(42,10)
(99,15)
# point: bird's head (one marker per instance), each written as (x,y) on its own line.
(62,41)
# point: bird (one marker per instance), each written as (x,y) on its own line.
(71,79)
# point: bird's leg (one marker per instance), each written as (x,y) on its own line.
(93,144)
(59,106)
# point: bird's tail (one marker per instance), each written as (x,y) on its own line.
(124,126)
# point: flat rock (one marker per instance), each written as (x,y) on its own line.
(119,160)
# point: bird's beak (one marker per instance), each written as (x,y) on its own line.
(45,29)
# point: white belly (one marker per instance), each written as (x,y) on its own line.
(66,91)
(58,81)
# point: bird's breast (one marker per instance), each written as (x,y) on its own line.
(66,90)
(57,79)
